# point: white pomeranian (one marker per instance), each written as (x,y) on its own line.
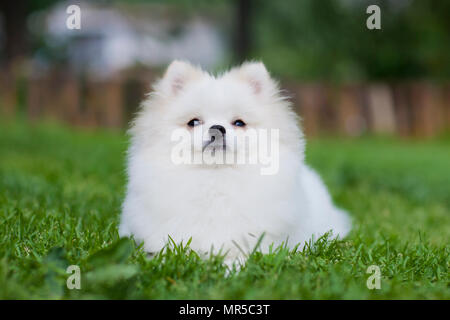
(222,205)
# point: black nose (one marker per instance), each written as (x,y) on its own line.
(217,127)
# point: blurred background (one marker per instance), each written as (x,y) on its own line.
(375,103)
(343,78)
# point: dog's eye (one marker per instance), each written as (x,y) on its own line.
(194,122)
(239,123)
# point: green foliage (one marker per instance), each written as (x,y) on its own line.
(328,40)
(60,196)
(320,40)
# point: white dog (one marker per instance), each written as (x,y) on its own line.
(222,205)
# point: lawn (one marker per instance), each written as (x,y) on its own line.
(61,191)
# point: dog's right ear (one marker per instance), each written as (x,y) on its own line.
(177,75)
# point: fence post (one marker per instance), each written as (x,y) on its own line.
(381,109)
(349,105)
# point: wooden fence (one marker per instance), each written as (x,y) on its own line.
(408,109)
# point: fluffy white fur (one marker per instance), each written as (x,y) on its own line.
(224,207)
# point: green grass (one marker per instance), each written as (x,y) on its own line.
(61,191)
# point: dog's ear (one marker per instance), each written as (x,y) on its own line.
(256,74)
(177,75)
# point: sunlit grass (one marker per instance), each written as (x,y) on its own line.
(61,191)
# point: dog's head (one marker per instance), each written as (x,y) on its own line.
(193,111)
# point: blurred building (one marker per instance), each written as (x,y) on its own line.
(114,38)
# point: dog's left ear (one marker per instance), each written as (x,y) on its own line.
(257,76)
(177,76)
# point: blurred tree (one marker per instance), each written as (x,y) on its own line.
(14,25)
(328,39)
(242,32)
(306,39)
(15,14)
